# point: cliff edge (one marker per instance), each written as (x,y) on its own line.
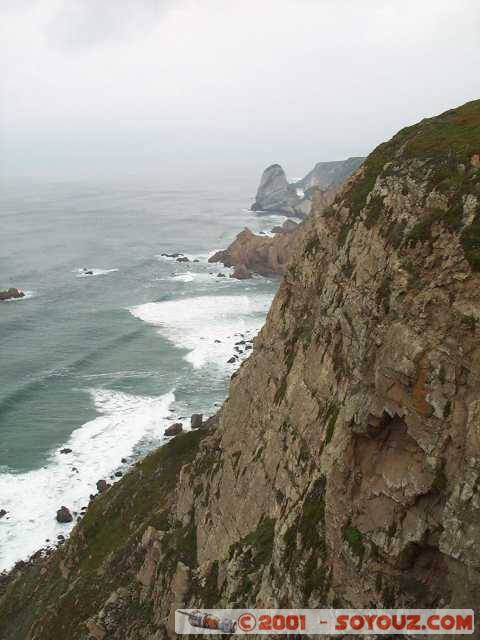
(344,468)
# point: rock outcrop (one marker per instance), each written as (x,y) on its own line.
(250,253)
(11,294)
(276,194)
(326,175)
(64,515)
(344,468)
(174,429)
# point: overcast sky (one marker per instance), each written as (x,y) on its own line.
(204,90)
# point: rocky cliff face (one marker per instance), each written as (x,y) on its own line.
(276,194)
(326,175)
(344,468)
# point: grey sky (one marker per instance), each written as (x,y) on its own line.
(185,90)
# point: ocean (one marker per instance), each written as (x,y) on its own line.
(101,364)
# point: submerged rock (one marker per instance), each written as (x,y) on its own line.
(3,513)
(65,450)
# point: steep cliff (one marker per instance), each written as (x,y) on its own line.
(326,175)
(344,468)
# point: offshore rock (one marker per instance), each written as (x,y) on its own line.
(274,192)
(11,294)
(64,515)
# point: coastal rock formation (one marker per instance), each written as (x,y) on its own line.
(264,255)
(326,175)
(240,272)
(344,468)
(10,294)
(276,194)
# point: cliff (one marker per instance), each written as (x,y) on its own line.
(344,468)
(326,175)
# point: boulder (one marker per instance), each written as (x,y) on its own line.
(64,515)
(174,429)
(10,294)
(232,360)
(196,420)
(118,474)
(183,259)
(65,450)
(171,255)
(102,486)
(3,513)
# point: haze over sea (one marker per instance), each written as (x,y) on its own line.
(102,363)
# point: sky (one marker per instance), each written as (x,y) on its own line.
(192,92)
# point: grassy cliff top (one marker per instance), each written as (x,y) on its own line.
(451,137)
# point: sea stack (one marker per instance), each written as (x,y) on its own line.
(274,193)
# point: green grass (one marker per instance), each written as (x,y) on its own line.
(331,419)
(353,537)
(261,539)
(453,136)
(141,495)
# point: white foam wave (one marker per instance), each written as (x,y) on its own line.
(32,499)
(192,257)
(185,277)
(90,273)
(207,326)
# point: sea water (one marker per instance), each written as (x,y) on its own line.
(102,362)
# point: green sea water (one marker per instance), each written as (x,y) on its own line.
(102,363)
